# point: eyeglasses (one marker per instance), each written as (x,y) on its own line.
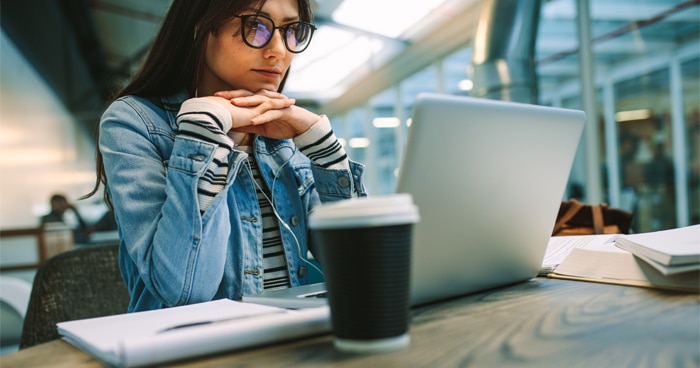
(257,31)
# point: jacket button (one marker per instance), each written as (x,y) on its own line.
(301,271)
(295,221)
(343,182)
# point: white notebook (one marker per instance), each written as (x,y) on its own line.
(153,337)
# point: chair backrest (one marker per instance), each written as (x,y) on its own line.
(80,283)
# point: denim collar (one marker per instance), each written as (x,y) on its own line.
(171,105)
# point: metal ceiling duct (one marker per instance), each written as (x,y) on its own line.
(503,60)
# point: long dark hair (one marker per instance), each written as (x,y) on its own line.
(176,57)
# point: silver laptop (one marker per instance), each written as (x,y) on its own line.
(488,179)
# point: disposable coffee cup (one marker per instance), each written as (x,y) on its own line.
(365,252)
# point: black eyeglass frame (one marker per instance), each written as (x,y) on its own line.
(284,28)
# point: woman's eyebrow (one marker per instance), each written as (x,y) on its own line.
(286,19)
(290,19)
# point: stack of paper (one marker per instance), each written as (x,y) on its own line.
(600,258)
(153,337)
(669,251)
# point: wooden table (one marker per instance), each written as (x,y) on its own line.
(539,323)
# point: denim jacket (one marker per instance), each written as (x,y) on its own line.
(170,254)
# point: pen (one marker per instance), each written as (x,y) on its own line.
(209,322)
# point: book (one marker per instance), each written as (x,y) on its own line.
(672,247)
(166,335)
(669,270)
(596,258)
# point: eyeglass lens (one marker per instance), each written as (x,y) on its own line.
(257,32)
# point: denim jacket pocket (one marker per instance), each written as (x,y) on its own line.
(191,156)
(304,178)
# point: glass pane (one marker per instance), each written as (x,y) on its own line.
(354,122)
(575,188)
(637,48)
(557,66)
(384,145)
(454,69)
(423,81)
(690,71)
(645,149)
(635,44)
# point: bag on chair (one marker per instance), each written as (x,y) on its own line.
(576,218)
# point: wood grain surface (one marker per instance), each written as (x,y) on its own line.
(539,323)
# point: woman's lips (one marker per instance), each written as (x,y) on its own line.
(270,73)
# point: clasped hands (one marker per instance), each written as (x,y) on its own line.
(266,113)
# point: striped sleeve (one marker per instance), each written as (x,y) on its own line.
(320,144)
(207,121)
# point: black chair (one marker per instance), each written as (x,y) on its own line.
(80,283)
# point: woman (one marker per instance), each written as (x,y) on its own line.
(210,170)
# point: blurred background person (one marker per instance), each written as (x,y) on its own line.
(62,211)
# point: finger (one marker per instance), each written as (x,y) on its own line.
(268,93)
(233,94)
(255,100)
(264,102)
(267,117)
(248,101)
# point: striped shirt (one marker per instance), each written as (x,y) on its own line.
(275,274)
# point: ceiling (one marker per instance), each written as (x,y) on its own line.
(83,47)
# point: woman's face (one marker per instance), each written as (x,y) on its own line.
(230,64)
